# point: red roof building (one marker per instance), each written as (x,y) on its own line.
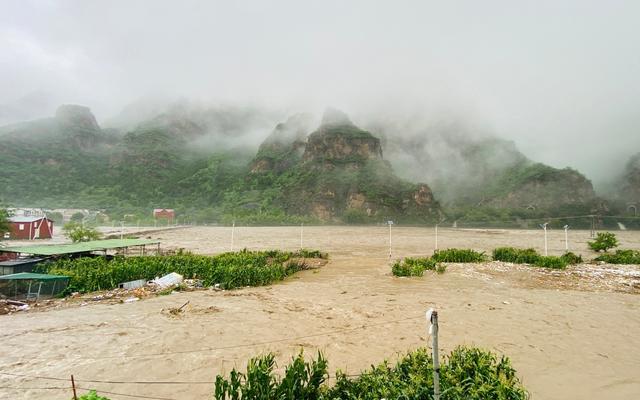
(30,228)
(164,213)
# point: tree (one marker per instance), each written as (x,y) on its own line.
(56,217)
(77,217)
(4,222)
(78,233)
(604,241)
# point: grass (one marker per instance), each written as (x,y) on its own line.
(466,373)
(229,270)
(413,266)
(621,257)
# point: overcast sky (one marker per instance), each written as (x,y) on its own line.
(561,78)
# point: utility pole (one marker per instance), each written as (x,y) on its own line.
(544,226)
(432,320)
(121,229)
(566,238)
(436,248)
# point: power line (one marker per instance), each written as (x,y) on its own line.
(112,382)
(81,388)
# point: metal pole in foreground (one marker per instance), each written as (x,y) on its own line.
(301,232)
(432,318)
(436,237)
(566,238)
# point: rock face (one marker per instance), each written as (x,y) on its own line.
(79,117)
(284,146)
(631,181)
(337,173)
(547,188)
(338,140)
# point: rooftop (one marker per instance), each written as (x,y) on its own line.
(25,219)
(82,247)
(32,276)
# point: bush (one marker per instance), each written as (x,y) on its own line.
(230,270)
(466,373)
(517,256)
(621,257)
(92,395)
(412,266)
(603,242)
(572,258)
(530,256)
(78,233)
(552,262)
(458,256)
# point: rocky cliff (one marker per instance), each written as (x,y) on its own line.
(337,173)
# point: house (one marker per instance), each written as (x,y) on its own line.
(164,213)
(30,228)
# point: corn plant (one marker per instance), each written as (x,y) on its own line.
(465,374)
(229,270)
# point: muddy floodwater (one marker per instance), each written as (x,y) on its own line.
(572,334)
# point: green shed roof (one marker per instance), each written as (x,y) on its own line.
(82,247)
(32,276)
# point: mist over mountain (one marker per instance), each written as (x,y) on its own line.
(203,161)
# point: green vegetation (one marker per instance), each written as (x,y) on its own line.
(458,256)
(530,256)
(621,257)
(517,256)
(413,266)
(465,374)
(603,242)
(92,395)
(4,222)
(571,258)
(79,233)
(229,270)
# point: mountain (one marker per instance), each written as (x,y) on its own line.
(340,175)
(204,161)
(630,182)
(485,177)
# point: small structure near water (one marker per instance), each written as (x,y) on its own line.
(30,286)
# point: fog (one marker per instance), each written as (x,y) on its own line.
(560,79)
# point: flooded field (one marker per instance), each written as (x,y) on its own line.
(572,334)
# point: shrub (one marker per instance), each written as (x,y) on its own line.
(621,257)
(530,256)
(466,373)
(230,270)
(412,266)
(441,268)
(79,233)
(513,255)
(458,256)
(603,242)
(572,258)
(552,262)
(92,395)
